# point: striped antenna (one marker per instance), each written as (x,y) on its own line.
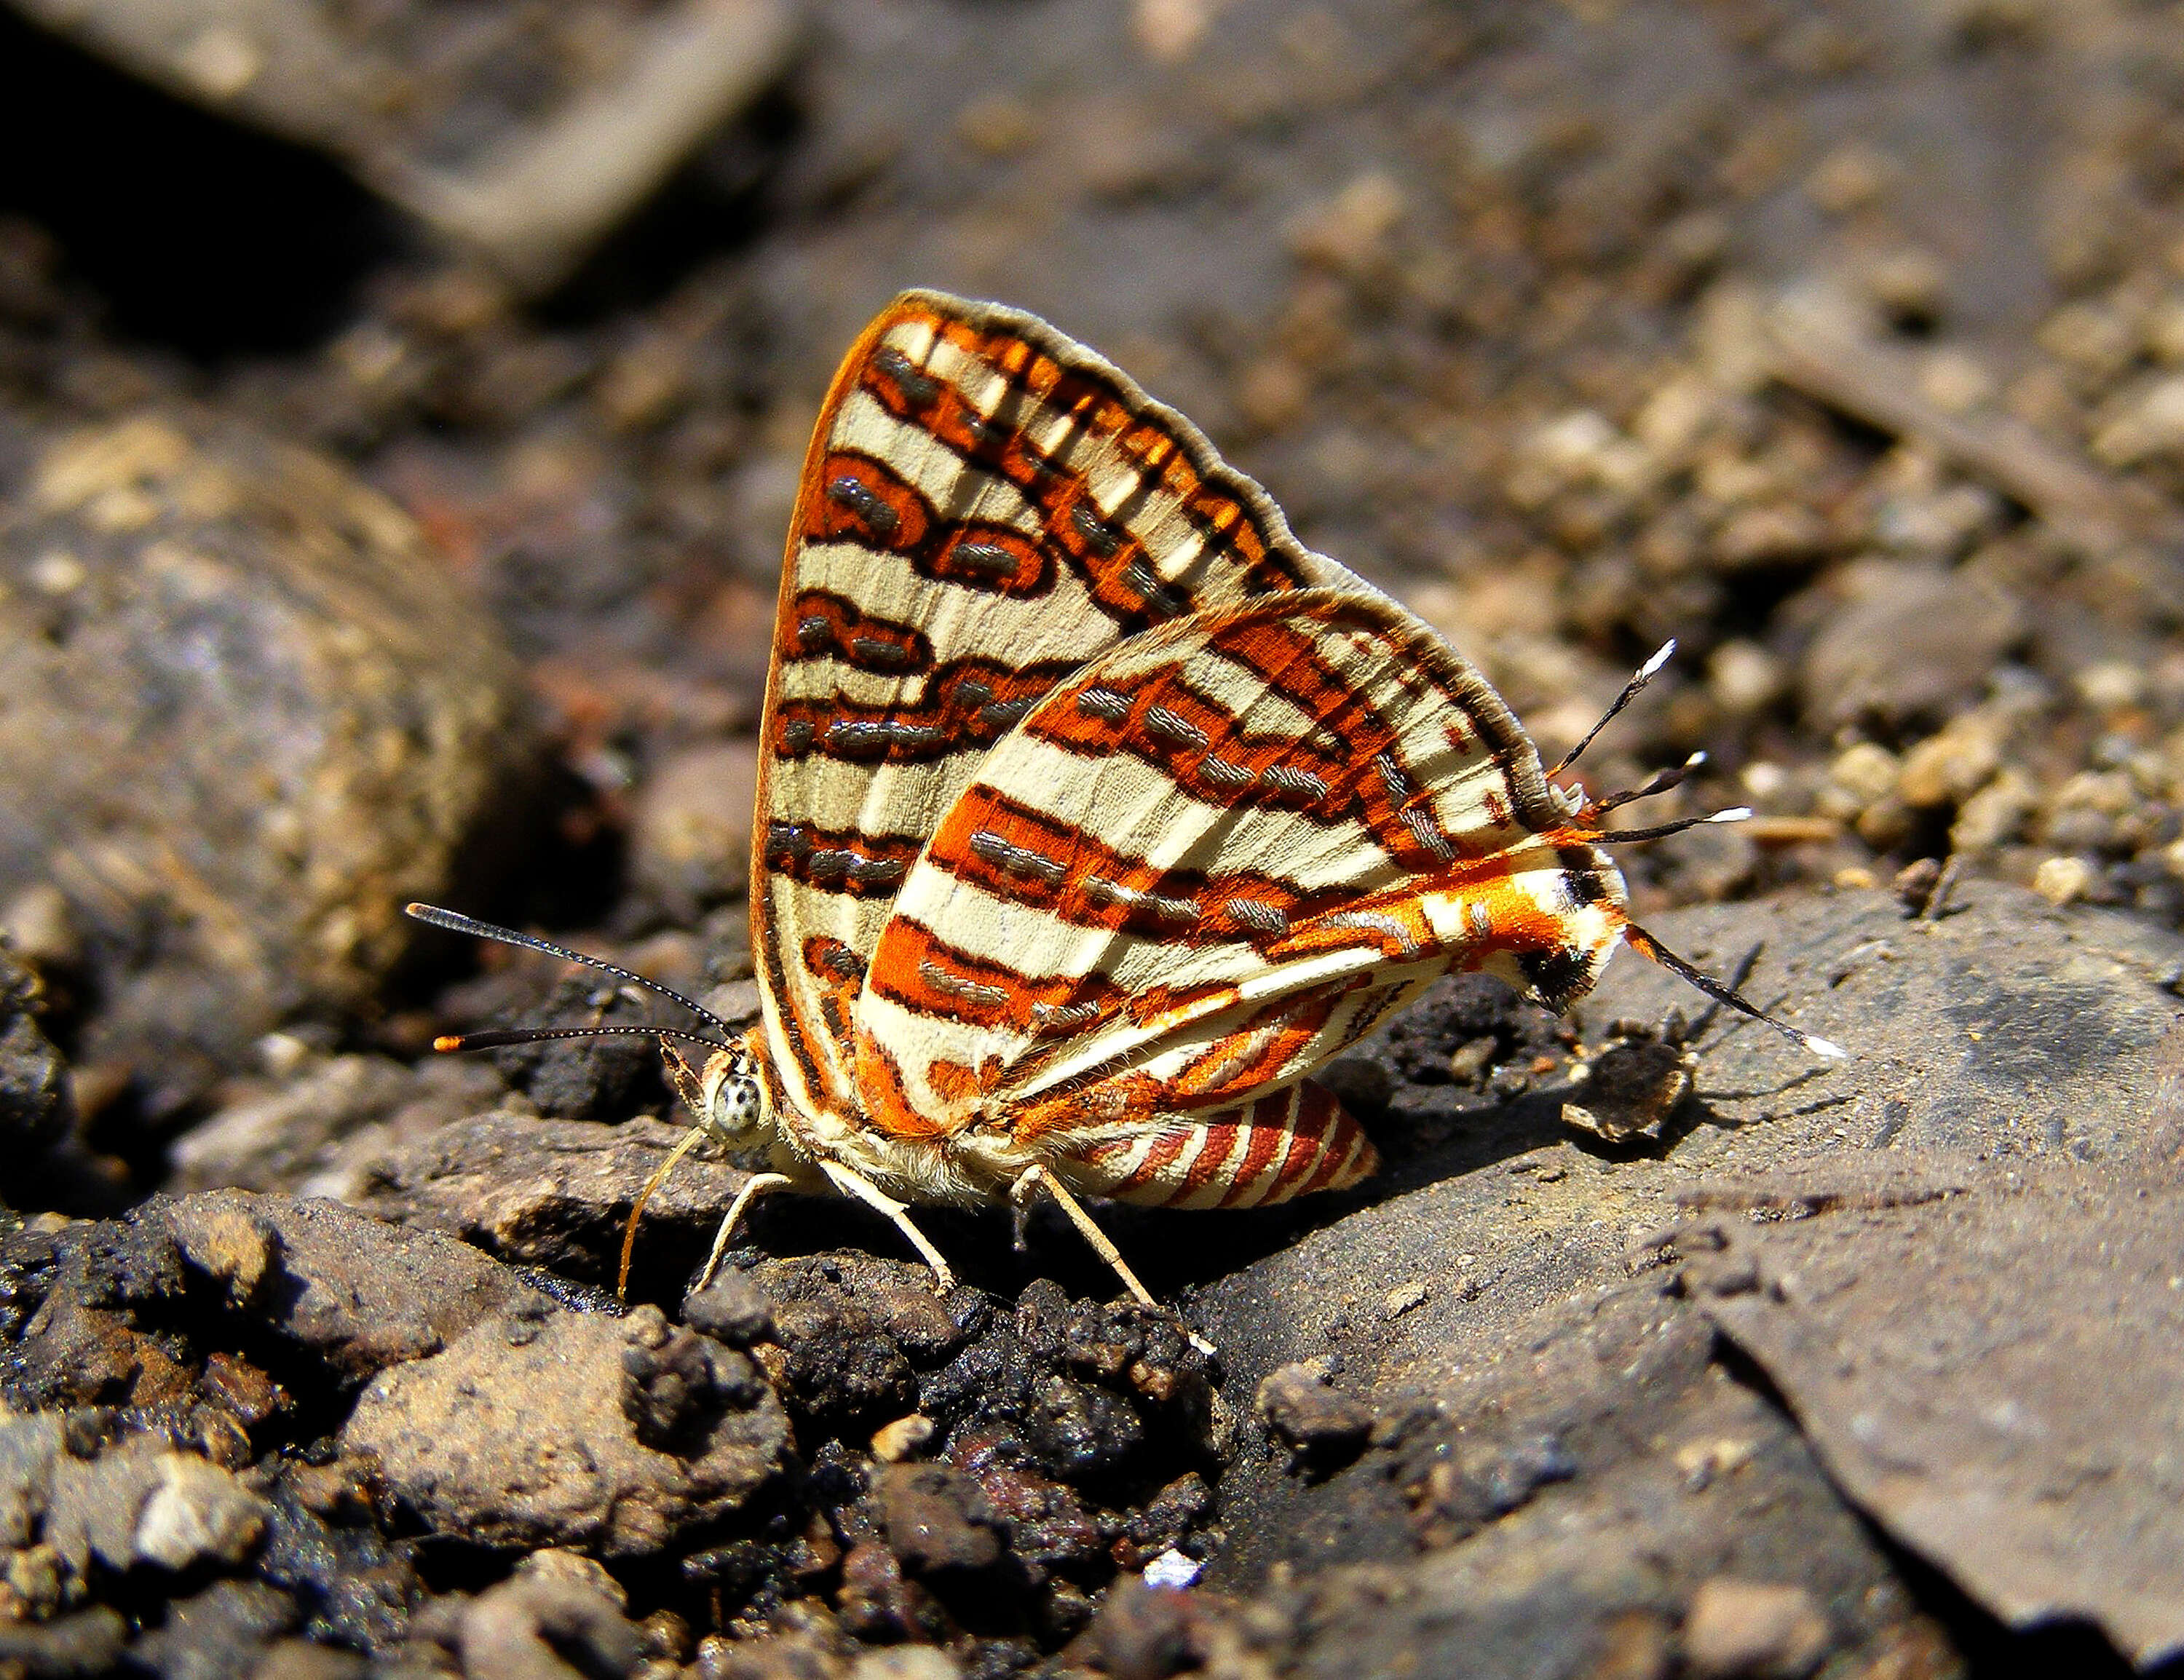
(1659,782)
(456,922)
(500,1037)
(1625,836)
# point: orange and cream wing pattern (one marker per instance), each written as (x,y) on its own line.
(986,506)
(1286,1143)
(1198,867)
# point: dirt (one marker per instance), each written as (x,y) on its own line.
(354,549)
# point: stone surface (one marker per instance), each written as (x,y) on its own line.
(1555,1499)
(1557,1464)
(358,1294)
(319,1134)
(501,138)
(526,1431)
(109,1308)
(1993,1374)
(2006,1029)
(1476,1409)
(243,716)
(554,1192)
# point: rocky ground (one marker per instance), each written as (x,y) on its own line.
(354,549)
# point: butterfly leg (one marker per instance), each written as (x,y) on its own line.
(754,1187)
(858,1188)
(695,1136)
(1034,1179)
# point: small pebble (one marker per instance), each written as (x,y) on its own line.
(1469,1060)
(1311,1418)
(1915,882)
(1173,1571)
(1742,677)
(905,1437)
(1349,232)
(2062,880)
(731,1309)
(1955,382)
(198,1513)
(2110,685)
(1948,768)
(558,1566)
(1705,1462)
(522,1627)
(906,1662)
(1403,1298)
(1851,178)
(2090,338)
(1750,1628)
(1866,771)
(1994,815)
(2152,426)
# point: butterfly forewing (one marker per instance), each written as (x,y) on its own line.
(1208,861)
(986,507)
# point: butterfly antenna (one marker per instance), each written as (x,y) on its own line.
(1647,946)
(1631,690)
(499,1037)
(455,922)
(1660,783)
(1624,836)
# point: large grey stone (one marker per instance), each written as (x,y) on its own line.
(1477,1299)
(1997,1376)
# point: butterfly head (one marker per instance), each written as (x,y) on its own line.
(726,1094)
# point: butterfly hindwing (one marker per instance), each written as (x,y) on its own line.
(1281,1144)
(1207,862)
(986,507)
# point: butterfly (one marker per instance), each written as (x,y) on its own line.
(1095,812)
